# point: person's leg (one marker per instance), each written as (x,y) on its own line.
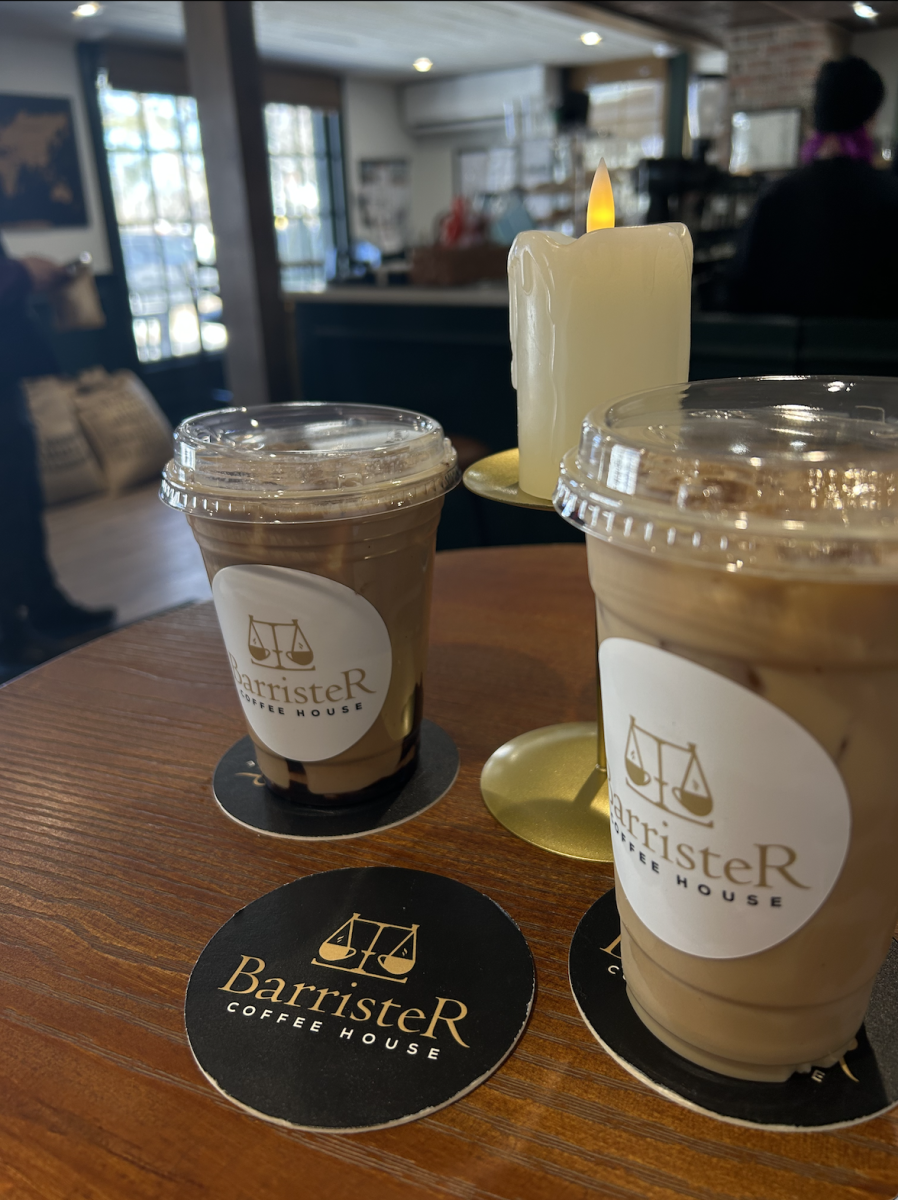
(28,590)
(23,564)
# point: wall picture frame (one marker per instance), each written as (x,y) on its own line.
(40,176)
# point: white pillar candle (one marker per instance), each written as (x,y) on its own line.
(592,319)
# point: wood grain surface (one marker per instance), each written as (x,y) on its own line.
(116,868)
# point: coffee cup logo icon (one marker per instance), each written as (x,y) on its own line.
(646,753)
(280,645)
(359,940)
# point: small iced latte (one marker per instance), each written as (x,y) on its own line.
(317,525)
(743,551)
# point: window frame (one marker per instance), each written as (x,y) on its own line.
(91,65)
(198,281)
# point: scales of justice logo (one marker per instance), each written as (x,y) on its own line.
(645,753)
(358,940)
(280,645)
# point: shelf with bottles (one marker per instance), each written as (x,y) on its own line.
(543,182)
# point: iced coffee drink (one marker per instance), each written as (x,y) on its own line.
(317,526)
(743,550)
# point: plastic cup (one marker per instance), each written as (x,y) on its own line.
(743,549)
(317,525)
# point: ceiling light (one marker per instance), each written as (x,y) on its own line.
(590,38)
(422,64)
(87,10)
(662,50)
(864,10)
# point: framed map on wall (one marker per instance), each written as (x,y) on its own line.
(40,180)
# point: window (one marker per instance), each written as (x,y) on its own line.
(627,118)
(162,210)
(301,195)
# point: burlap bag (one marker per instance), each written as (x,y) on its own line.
(126,428)
(76,303)
(68,468)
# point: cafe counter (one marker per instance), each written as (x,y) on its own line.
(442,351)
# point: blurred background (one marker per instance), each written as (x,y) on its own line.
(314,200)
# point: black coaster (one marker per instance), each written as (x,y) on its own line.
(358,999)
(241,793)
(866,1086)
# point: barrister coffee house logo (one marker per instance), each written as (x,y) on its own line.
(337,1015)
(279,645)
(730,822)
(391,947)
(691,799)
(442,1017)
(311,659)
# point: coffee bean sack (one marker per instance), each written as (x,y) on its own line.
(68,466)
(124,425)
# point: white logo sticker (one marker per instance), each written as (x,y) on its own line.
(730,822)
(311,658)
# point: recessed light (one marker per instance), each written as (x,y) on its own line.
(662,50)
(865,10)
(87,10)
(590,38)
(422,64)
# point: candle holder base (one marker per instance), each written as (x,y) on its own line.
(544,787)
(496,478)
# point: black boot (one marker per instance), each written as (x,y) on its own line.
(19,648)
(53,615)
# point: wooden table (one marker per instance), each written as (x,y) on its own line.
(116,868)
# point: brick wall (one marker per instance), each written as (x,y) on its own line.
(774,66)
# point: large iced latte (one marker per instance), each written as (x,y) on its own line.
(743,551)
(317,526)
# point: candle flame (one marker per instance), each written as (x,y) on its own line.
(600,209)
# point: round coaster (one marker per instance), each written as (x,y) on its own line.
(862,1085)
(358,999)
(240,792)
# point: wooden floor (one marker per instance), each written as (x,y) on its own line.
(129,551)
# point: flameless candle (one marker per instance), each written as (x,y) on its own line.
(592,319)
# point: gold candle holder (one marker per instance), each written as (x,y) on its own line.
(549,786)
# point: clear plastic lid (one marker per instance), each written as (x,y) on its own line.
(307,462)
(779,474)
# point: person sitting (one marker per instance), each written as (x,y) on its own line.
(823,241)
